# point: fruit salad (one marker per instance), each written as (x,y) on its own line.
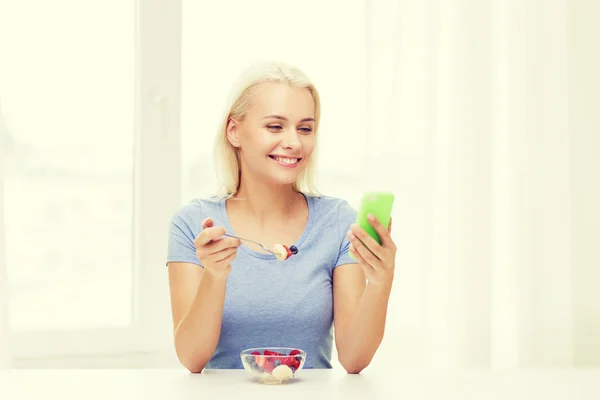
(282,252)
(273,367)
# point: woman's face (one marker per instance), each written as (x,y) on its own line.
(276,138)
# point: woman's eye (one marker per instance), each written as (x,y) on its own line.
(274,127)
(307,130)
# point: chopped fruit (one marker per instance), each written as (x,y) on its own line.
(272,366)
(296,364)
(268,367)
(260,360)
(287,361)
(280,251)
(282,372)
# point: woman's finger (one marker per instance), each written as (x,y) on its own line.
(367,240)
(367,269)
(229,260)
(384,234)
(207,223)
(219,256)
(224,255)
(209,234)
(364,252)
(222,244)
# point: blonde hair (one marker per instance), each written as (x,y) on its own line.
(240,99)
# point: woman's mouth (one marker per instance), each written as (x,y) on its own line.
(285,161)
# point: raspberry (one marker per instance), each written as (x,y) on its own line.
(287,361)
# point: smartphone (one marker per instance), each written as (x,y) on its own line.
(380,205)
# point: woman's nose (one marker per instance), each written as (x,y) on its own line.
(290,140)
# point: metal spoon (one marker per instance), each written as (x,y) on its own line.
(248,240)
(293,249)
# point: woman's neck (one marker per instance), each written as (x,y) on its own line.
(262,201)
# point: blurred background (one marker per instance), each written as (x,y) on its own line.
(481,115)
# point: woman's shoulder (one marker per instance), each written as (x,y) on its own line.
(196,208)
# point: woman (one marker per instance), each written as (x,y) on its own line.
(243,296)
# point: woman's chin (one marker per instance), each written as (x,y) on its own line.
(282,179)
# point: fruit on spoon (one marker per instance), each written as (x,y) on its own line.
(283,252)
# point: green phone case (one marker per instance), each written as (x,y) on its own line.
(380,205)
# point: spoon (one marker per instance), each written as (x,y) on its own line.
(252,241)
(292,248)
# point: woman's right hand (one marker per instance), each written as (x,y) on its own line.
(214,251)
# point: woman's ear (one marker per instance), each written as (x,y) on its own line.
(233,133)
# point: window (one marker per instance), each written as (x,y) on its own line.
(90,160)
(95,163)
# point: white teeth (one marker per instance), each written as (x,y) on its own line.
(286,160)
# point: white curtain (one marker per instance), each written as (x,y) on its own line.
(482,112)
(5,357)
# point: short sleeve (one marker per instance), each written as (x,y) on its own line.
(181,239)
(346,217)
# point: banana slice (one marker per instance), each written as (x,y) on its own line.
(280,252)
(282,372)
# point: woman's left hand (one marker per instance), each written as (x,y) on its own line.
(377,261)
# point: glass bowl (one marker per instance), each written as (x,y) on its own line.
(273,365)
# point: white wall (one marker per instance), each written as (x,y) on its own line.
(584,91)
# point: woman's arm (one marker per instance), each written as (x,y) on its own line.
(359,316)
(361,308)
(197,299)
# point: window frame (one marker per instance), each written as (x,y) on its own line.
(157,193)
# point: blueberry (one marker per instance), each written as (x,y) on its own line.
(257,367)
(299,358)
(294,249)
(276,363)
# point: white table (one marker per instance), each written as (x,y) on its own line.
(178,384)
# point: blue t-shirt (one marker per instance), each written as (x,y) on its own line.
(270,303)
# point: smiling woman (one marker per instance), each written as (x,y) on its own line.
(290,113)
(228,296)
